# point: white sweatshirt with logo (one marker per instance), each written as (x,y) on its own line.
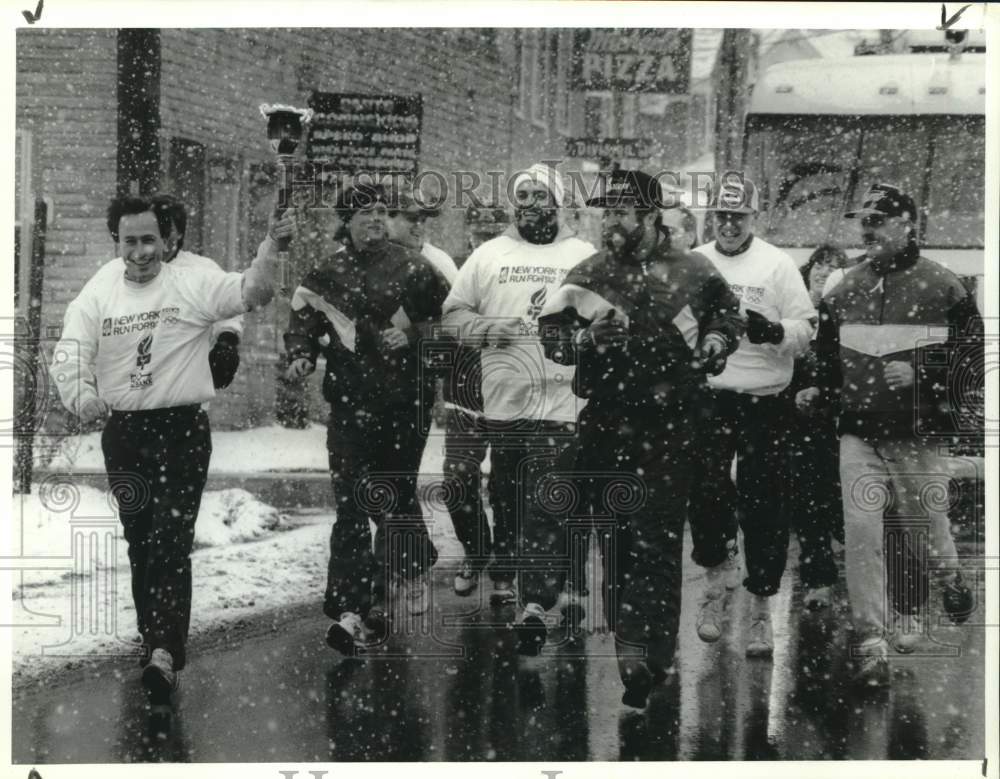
(186,259)
(766,280)
(508,277)
(144,346)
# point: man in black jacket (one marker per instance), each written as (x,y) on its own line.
(367,310)
(900,342)
(643,323)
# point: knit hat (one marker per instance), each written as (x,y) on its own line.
(547,177)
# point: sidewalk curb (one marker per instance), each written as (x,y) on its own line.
(281,489)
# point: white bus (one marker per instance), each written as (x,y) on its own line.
(820,131)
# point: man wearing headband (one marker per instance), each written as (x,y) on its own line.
(644,323)
(367,310)
(529,409)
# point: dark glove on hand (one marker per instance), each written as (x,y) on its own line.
(224,359)
(761,330)
(608,331)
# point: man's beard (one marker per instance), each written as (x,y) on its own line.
(543,230)
(621,243)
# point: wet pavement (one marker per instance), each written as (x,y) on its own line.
(451,687)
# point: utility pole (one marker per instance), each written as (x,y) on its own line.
(732,75)
(138,111)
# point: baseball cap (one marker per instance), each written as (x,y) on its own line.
(885,200)
(628,188)
(735,194)
(404,201)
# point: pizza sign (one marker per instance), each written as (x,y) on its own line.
(634,60)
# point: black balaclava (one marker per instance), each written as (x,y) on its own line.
(542,231)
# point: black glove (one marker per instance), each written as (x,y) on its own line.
(761,330)
(608,331)
(224,359)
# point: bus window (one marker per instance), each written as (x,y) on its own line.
(894,151)
(957,182)
(805,166)
(802,166)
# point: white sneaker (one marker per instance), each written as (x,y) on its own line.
(871,662)
(416,593)
(709,621)
(909,633)
(760,640)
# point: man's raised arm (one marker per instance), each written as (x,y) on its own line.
(259,279)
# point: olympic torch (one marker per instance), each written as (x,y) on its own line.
(284,131)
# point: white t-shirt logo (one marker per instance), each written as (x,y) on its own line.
(537,303)
(144,352)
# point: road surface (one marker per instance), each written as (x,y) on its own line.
(450,687)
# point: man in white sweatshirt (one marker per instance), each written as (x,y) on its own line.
(134,352)
(749,415)
(224,359)
(529,409)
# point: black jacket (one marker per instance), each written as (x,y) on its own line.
(667,321)
(350,301)
(916,311)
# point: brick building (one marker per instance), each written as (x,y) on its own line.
(104,110)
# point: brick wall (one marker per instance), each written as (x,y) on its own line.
(66,98)
(212,82)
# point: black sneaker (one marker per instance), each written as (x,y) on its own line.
(958,600)
(636,695)
(159,676)
(531,631)
(348,634)
(503,593)
(639,683)
(376,624)
(573,612)
(466,579)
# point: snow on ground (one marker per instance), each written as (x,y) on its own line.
(261,449)
(249,559)
(46,525)
(231,582)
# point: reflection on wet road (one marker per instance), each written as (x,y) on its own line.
(452,688)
